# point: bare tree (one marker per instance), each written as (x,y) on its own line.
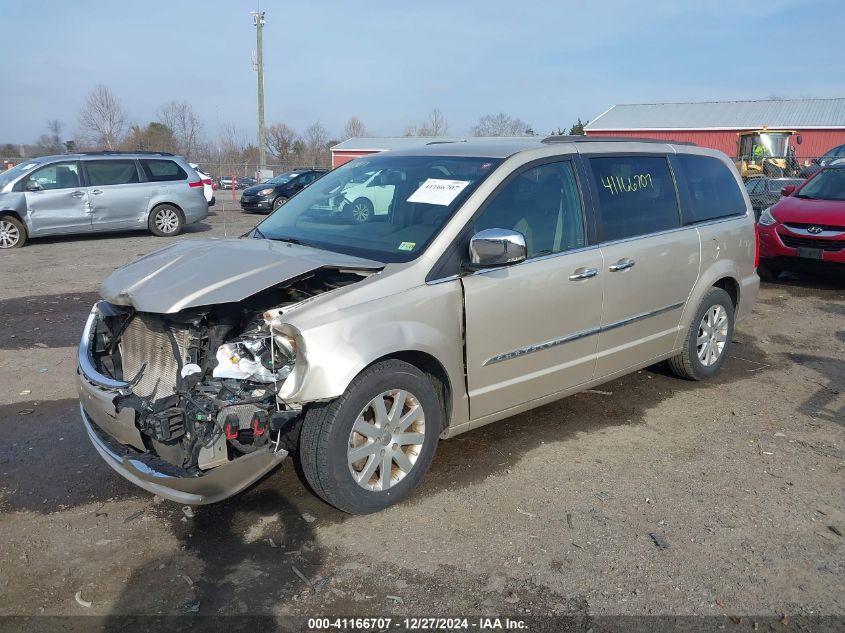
(51,142)
(103,120)
(501,125)
(180,117)
(355,128)
(434,125)
(280,140)
(316,144)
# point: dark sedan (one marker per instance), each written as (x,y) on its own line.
(270,195)
(764,191)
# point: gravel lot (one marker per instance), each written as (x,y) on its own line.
(548,512)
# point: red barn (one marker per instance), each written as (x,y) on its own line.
(715,124)
(355,147)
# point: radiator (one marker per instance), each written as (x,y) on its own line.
(145,341)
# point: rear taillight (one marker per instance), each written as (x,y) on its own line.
(206,181)
(198,183)
(756,247)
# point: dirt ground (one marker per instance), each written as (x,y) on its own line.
(548,512)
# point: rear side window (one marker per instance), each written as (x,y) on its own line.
(158,170)
(636,196)
(111,172)
(713,190)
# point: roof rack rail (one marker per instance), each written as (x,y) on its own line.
(609,139)
(115,152)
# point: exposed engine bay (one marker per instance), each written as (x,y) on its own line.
(205,380)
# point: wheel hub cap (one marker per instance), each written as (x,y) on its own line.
(712,335)
(9,235)
(386,440)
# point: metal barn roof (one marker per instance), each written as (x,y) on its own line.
(723,115)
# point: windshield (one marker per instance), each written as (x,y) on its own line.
(776,184)
(283,178)
(389,216)
(11,174)
(774,144)
(828,184)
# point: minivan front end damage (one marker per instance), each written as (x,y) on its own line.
(193,405)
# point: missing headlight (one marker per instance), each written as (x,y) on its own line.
(260,359)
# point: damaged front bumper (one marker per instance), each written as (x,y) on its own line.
(118,441)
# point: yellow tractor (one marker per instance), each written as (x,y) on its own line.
(766,152)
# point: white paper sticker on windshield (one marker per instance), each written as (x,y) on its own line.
(437,191)
(30,166)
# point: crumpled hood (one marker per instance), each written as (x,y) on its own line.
(205,272)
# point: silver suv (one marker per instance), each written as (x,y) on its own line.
(98,191)
(503,275)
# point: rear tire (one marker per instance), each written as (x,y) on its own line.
(708,338)
(166,221)
(12,232)
(361,211)
(361,453)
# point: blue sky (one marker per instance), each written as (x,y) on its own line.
(390,63)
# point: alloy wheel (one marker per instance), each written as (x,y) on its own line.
(167,220)
(360,212)
(386,440)
(9,234)
(712,335)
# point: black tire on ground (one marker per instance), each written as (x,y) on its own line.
(327,432)
(12,232)
(166,221)
(687,363)
(769,271)
(361,211)
(279,202)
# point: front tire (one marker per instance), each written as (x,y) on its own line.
(12,232)
(768,271)
(370,448)
(708,338)
(279,202)
(166,221)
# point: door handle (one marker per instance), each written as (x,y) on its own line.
(622,264)
(78,194)
(583,273)
(97,192)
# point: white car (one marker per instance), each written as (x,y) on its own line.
(368,198)
(207,183)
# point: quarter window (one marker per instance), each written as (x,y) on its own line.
(543,204)
(713,190)
(162,170)
(111,172)
(636,196)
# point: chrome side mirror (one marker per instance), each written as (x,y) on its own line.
(497,247)
(33,185)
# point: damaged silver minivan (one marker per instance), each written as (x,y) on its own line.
(503,274)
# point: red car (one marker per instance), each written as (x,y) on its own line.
(808,223)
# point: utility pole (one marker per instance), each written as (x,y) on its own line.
(258,20)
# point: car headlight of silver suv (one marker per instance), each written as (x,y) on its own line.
(766,217)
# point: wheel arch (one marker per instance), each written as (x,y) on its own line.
(731,286)
(436,372)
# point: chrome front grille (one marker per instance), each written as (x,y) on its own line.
(145,341)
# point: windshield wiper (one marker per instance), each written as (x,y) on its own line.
(805,196)
(293,240)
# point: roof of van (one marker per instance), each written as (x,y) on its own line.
(498,147)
